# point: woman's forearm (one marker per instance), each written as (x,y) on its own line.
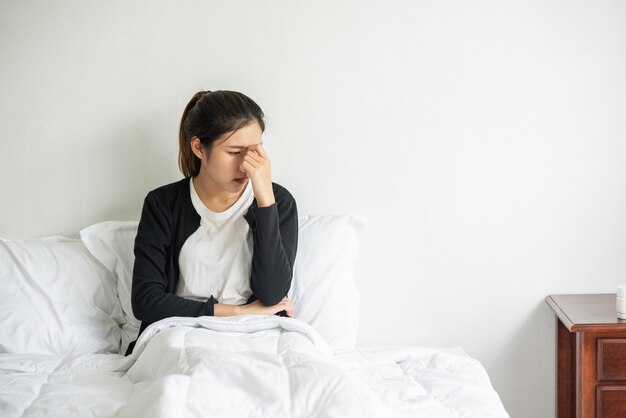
(275,237)
(222,309)
(254,308)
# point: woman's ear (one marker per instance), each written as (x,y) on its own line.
(196,147)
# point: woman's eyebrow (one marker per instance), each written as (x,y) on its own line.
(241,146)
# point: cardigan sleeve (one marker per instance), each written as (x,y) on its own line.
(150,299)
(275,239)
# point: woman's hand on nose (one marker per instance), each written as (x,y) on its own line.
(257,166)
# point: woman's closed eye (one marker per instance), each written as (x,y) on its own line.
(234,152)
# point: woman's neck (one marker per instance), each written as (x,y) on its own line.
(212,196)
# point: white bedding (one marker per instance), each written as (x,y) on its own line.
(248,366)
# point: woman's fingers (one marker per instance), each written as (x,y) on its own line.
(260,150)
(246,166)
(253,155)
(252,160)
(257,154)
(284,305)
(288,306)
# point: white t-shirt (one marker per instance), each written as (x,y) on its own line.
(216,259)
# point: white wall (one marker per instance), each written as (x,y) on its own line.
(484,140)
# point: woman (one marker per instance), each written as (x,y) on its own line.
(222,241)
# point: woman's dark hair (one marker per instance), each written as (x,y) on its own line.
(208,116)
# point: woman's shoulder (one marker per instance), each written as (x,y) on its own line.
(169,192)
(171,189)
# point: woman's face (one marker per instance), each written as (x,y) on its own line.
(222,166)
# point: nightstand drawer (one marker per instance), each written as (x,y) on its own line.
(611,402)
(611,359)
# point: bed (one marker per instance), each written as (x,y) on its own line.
(65,304)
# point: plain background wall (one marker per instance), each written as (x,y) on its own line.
(484,141)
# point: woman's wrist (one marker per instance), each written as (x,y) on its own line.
(265,197)
(264,203)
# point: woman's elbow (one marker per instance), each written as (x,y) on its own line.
(273,296)
(270,299)
(137,305)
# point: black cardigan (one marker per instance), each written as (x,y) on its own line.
(168,218)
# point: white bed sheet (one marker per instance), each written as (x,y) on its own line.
(168,375)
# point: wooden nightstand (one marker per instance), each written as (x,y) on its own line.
(590,358)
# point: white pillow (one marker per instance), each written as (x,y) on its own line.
(323,291)
(112,243)
(56,299)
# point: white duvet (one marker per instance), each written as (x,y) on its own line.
(247,366)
